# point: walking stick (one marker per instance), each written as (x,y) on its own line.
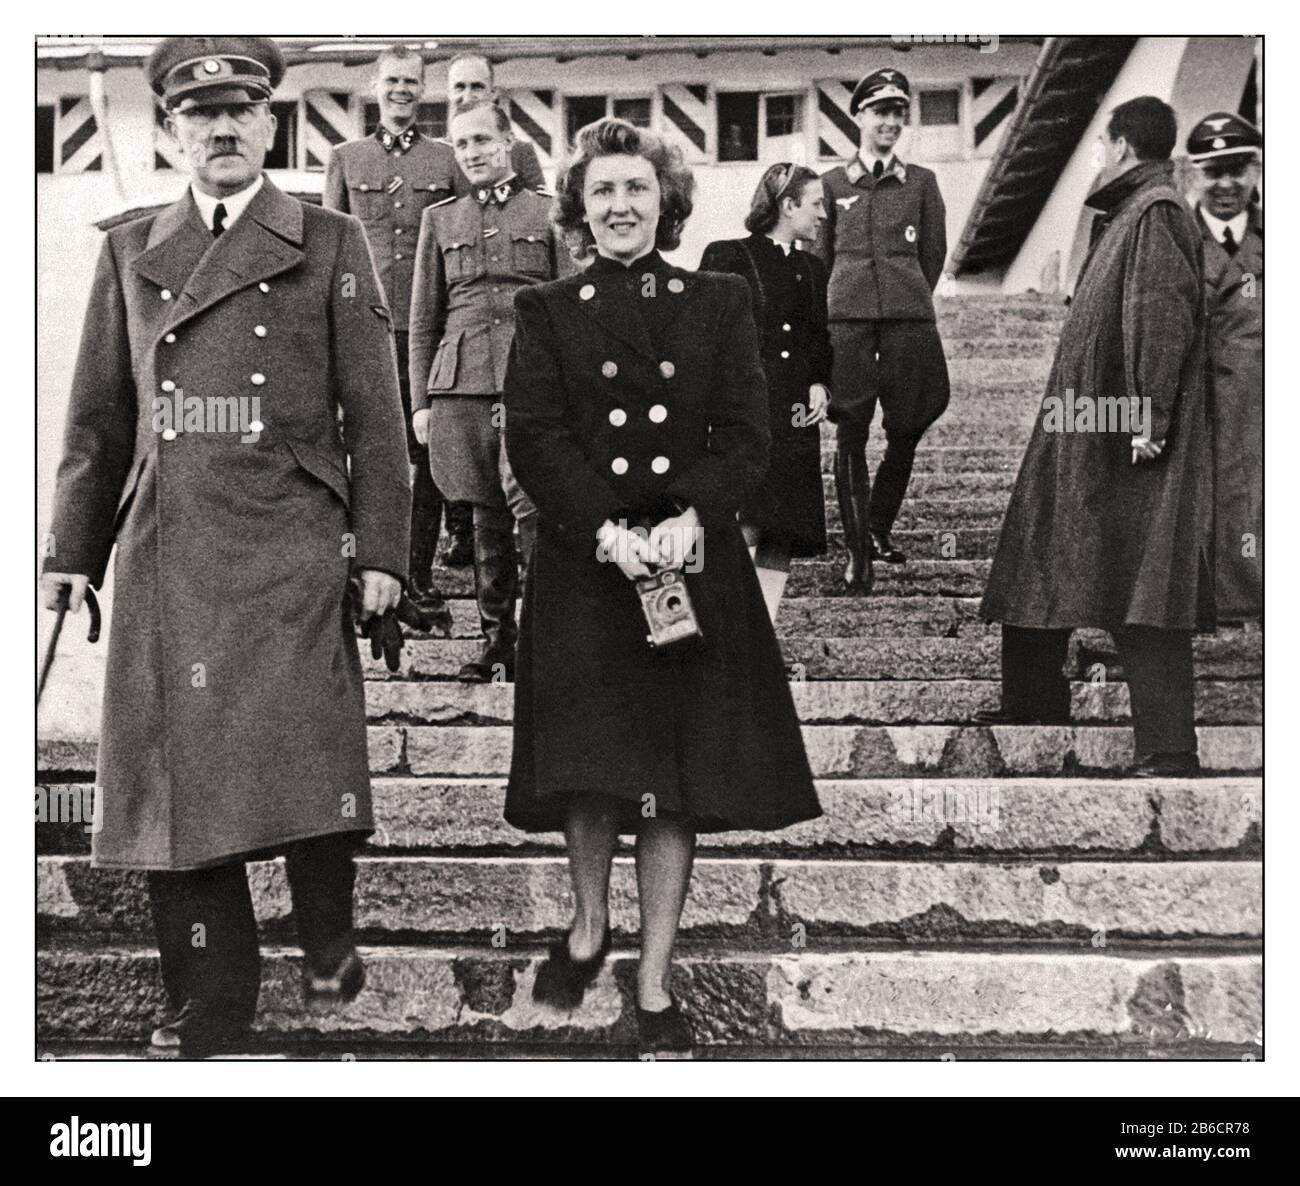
(61,610)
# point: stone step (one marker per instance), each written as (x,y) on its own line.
(995,316)
(1040,349)
(932,458)
(834,751)
(823,577)
(1004,368)
(975,654)
(950,513)
(946,1001)
(904,818)
(825,702)
(733,898)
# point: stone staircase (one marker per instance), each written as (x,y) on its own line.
(969,892)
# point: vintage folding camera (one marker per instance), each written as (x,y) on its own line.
(667,608)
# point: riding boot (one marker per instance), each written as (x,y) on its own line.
(460,535)
(496,580)
(853,490)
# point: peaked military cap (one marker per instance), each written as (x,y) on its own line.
(189,72)
(879,86)
(1223,134)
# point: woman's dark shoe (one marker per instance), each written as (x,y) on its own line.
(883,548)
(321,994)
(197,1031)
(666,1031)
(562,981)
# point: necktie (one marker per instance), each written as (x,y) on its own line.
(1230,244)
(878,169)
(218,220)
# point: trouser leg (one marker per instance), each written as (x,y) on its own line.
(426,500)
(914,392)
(1161,689)
(1033,682)
(322,874)
(207,939)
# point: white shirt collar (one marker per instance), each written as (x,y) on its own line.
(1218,225)
(235,204)
(783,246)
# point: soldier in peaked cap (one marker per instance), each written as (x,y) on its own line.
(387,180)
(1225,151)
(474,253)
(884,243)
(234,717)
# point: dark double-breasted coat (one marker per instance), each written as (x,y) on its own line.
(789,301)
(635,393)
(1234,292)
(234,716)
(1090,538)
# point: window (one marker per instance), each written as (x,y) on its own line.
(430,118)
(44,138)
(738,126)
(581,110)
(936,126)
(284,152)
(940,108)
(754,127)
(783,116)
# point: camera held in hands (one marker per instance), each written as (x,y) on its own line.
(667,608)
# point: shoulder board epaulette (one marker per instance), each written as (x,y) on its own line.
(443,202)
(441,140)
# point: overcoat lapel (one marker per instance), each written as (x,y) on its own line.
(183,255)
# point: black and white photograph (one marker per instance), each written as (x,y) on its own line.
(724,548)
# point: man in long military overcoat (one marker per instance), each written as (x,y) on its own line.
(223,337)
(387,180)
(1108,523)
(474,254)
(1225,153)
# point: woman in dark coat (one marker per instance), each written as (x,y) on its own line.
(636,419)
(787,515)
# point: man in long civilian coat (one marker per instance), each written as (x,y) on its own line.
(1107,525)
(223,336)
(1225,152)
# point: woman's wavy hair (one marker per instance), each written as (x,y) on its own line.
(613,137)
(781,181)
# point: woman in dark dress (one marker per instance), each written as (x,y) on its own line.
(787,515)
(636,419)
